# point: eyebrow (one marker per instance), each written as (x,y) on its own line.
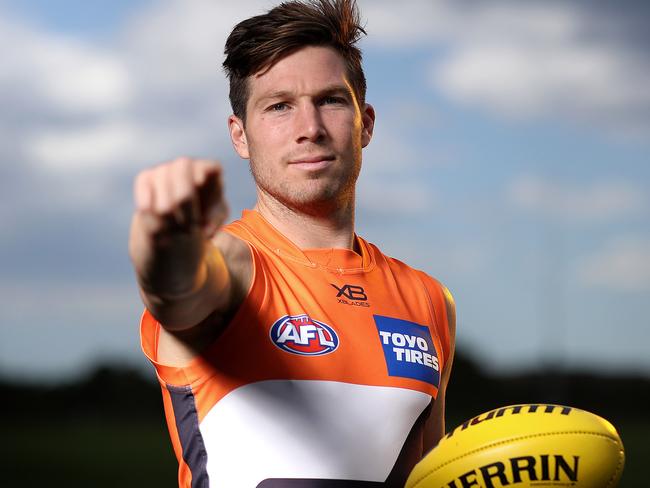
(328,90)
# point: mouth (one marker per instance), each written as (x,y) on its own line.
(313,162)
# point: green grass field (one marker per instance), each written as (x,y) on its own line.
(108,429)
(91,452)
(635,437)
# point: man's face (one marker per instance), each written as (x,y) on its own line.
(304,131)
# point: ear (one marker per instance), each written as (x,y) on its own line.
(238,136)
(368,121)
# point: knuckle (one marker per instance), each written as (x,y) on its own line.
(164,207)
(142,177)
(184,197)
(182,161)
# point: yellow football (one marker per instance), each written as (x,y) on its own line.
(529,445)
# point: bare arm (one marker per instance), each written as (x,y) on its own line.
(435,426)
(183,276)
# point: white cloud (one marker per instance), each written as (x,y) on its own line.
(60,74)
(562,60)
(517,59)
(83,79)
(83,147)
(406,198)
(108,145)
(179,45)
(393,24)
(622,265)
(523,80)
(97,107)
(600,201)
(88,114)
(532,60)
(423,22)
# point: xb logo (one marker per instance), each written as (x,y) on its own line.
(351,292)
(351,295)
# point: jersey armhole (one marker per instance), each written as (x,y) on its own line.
(199,369)
(438,304)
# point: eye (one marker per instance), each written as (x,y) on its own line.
(333,100)
(278,107)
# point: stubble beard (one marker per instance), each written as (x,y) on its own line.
(318,196)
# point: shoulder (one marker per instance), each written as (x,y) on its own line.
(382,258)
(438,290)
(431,283)
(231,246)
(239,260)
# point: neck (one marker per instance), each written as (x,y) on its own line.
(310,230)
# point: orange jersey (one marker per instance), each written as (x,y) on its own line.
(327,372)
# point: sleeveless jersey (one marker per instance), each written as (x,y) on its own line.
(323,378)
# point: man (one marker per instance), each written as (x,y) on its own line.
(291,352)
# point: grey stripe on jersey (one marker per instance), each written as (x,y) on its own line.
(187,425)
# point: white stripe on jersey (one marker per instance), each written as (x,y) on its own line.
(260,431)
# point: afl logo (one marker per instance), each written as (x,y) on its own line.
(300,334)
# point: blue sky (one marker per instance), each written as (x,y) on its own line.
(510,160)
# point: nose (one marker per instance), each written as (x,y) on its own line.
(309,124)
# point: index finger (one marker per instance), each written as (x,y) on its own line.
(143,191)
(207,178)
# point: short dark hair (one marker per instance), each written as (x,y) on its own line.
(259,42)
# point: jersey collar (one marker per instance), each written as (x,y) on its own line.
(337,260)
